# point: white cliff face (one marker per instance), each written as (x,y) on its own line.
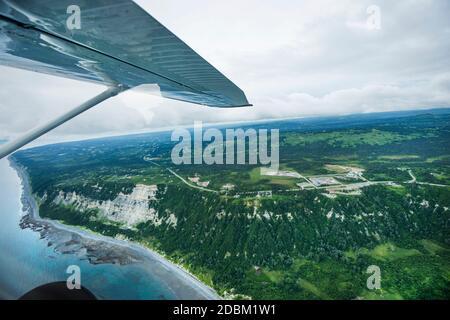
(130,209)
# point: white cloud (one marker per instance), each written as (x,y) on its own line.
(292,58)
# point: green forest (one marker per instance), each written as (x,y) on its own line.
(388,205)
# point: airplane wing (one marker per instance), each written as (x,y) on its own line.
(115,43)
(112,43)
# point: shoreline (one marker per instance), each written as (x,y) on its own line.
(117,251)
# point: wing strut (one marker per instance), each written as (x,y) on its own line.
(35,133)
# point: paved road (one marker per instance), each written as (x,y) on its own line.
(414,180)
(181,178)
(189,184)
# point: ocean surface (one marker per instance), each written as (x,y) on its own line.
(26,261)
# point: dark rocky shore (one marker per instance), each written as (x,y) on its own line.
(98,249)
(66,241)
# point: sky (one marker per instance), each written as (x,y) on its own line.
(291,58)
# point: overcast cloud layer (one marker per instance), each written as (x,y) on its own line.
(292,58)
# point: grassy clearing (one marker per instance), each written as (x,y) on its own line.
(389,251)
(381,295)
(256,177)
(350,138)
(399,189)
(432,247)
(435,159)
(399,157)
(384,252)
(274,276)
(308,286)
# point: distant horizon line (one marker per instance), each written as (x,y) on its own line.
(209,124)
